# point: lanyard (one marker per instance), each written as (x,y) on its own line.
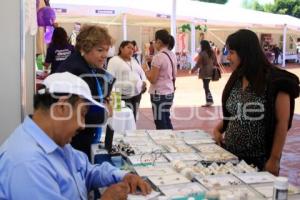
(98,87)
(97,136)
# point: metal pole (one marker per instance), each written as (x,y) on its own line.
(284,45)
(193,43)
(124,26)
(22,61)
(173,22)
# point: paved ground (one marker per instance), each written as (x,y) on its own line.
(188,114)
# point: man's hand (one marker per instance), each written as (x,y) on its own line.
(116,192)
(134,182)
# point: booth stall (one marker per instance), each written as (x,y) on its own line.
(138,20)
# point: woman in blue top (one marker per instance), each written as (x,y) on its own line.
(92,44)
(59,49)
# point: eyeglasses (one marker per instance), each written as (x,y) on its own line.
(151,157)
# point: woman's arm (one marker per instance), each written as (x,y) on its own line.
(218,133)
(151,74)
(282,112)
(198,64)
(46,65)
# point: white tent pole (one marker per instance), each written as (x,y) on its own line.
(193,43)
(124,26)
(173,22)
(284,45)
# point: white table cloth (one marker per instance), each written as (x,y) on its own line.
(122,120)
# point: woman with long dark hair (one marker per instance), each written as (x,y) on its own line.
(205,63)
(162,77)
(59,49)
(258,104)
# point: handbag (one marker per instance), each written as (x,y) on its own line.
(216,75)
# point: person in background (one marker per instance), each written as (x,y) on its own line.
(151,53)
(277,52)
(92,44)
(162,76)
(258,104)
(135,54)
(130,76)
(201,36)
(37,161)
(59,49)
(111,53)
(205,63)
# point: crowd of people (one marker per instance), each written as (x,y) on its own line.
(51,160)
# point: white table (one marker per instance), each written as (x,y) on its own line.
(122,120)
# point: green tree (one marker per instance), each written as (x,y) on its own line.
(287,7)
(253,4)
(269,8)
(296,11)
(214,1)
(257,6)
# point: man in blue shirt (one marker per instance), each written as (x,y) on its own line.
(37,161)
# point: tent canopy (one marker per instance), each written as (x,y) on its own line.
(158,12)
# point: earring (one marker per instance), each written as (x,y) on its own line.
(82,53)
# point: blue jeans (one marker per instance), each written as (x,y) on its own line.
(161,106)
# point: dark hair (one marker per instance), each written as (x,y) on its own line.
(59,37)
(164,36)
(45,101)
(253,62)
(123,44)
(205,46)
(133,42)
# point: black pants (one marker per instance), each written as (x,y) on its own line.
(161,106)
(133,103)
(276,59)
(208,96)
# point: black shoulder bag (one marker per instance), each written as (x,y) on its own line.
(173,74)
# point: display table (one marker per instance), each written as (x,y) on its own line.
(122,120)
(178,168)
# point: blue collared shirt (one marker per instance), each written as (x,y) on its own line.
(33,166)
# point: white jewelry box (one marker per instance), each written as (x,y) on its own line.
(218,181)
(168,180)
(184,190)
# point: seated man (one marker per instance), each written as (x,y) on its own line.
(37,161)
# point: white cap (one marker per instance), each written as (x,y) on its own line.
(70,84)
